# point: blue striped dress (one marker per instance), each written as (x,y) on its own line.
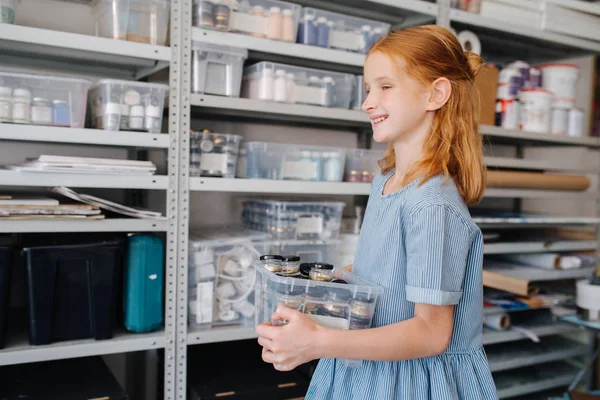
(421,245)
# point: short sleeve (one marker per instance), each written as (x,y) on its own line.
(437,242)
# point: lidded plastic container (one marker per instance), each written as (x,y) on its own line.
(217,69)
(112,18)
(362,165)
(148,21)
(214,154)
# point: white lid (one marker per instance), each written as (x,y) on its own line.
(257,9)
(153,111)
(22,93)
(317,154)
(378,30)
(307,17)
(366,28)
(124,109)
(137,111)
(314,79)
(280,72)
(5,91)
(327,79)
(289,75)
(275,10)
(112,108)
(321,20)
(288,13)
(132,84)
(305,153)
(267,71)
(330,23)
(131,97)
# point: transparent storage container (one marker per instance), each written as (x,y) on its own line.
(148,21)
(330,304)
(294,219)
(217,69)
(308,251)
(290,84)
(220,277)
(111,17)
(43,100)
(295,162)
(127,106)
(8,11)
(359,94)
(338,31)
(277,20)
(213,154)
(362,165)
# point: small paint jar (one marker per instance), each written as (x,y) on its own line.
(336,302)
(305,269)
(274,27)
(137,114)
(362,307)
(5,104)
(329,85)
(61,113)
(21,106)
(289,296)
(322,32)
(288,26)
(322,272)
(259,12)
(222,14)
(290,87)
(41,111)
(307,31)
(153,119)
(280,86)
(202,14)
(353,176)
(313,299)
(290,265)
(272,262)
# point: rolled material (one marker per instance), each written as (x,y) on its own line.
(509,284)
(500,322)
(588,300)
(533,180)
(470,42)
(545,260)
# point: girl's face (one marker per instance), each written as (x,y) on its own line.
(396,102)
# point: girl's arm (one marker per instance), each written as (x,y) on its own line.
(301,340)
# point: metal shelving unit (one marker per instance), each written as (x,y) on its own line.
(539,247)
(491,336)
(105,225)
(534,379)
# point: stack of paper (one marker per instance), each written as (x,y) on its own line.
(85,165)
(32,207)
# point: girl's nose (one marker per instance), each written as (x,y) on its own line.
(368,104)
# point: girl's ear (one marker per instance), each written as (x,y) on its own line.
(441,89)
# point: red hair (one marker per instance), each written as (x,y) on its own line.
(454,146)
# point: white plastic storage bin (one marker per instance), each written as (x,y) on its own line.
(308,251)
(8,10)
(338,31)
(127,106)
(111,17)
(290,84)
(294,219)
(296,162)
(43,100)
(213,154)
(361,165)
(348,305)
(277,20)
(217,69)
(220,277)
(148,21)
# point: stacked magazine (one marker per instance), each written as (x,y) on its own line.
(85,165)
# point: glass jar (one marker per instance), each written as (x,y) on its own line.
(273,263)
(153,119)
(313,299)
(61,113)
(137,114)
(335,302)
(290,296)
(111,118)
(202,14)
(41,111)
(362,307)
(222,13)
(305,269)
(290,265)
(322,272)
(21,106)
(5,104)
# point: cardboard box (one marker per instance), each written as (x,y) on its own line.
(486,85)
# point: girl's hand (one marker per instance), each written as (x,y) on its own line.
(290,345)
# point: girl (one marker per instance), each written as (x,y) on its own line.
(417,239)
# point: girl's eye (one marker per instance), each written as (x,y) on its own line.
(385,87)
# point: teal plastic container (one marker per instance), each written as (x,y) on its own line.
(144,283)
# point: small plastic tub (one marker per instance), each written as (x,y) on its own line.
(8,10)
(272,262)
(536,110)
(561,79)
(112,17)
(322,272)
(361,165)
(217,69)
(148,21)
(214,154)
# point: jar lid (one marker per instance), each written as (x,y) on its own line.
(275,9)
(280,72)
(206,145)
(287,12)
(338,294)
(321,20)
(40,99)
(57,102)
(112,108)
(271,257)
(305,268)
(5,90)
(314,78)
(22,93)
(307,17)
(153,111)
(136,111)
(365,28)
(341,281)
(257,9)
(328,79)
(291,258)
(378,30)
(131,97)
(321,265)
(289,75)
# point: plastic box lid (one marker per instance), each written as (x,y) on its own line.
(214,48)
(224,236)
(158,86)
(294,69)
(43,77)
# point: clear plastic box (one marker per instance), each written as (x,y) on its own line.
(333,305)
(290,84)
(338,31)
(126,105)
(43,100)
(361,165)
(111,17)
(220,277)
(308,251)
(213,154)
(359,94)
(8,10)
(217,69)
(294,219)
(277,20)
(148,21)
(296,162)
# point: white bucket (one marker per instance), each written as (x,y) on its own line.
(560,121)
(561,79)
(575,127)
(536,110)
